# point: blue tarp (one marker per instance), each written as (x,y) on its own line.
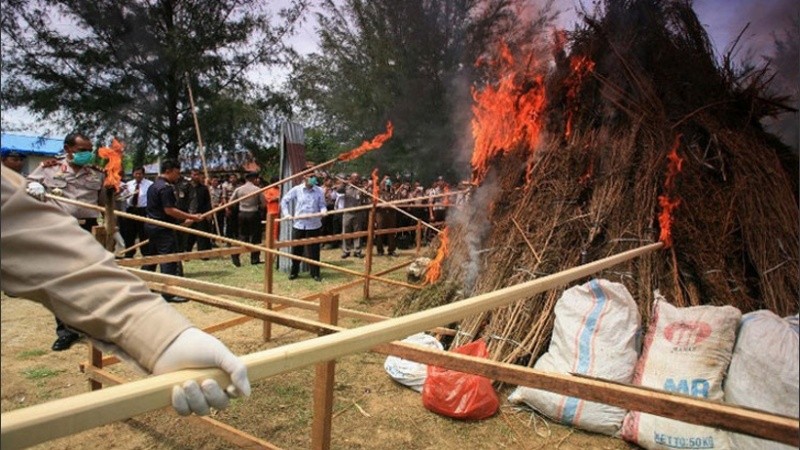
(31,145)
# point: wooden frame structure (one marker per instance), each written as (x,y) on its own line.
(74,414)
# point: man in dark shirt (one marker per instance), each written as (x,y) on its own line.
(199,203)
(161,205)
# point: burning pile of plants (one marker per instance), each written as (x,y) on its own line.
(628,133)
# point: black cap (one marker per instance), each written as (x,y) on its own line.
(13,153)
(250,175)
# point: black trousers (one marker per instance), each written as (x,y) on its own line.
(163,241)
(311,250)
(131,230)
(386,218)
(250,231)
(203,243)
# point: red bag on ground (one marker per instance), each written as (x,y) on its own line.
(460,395)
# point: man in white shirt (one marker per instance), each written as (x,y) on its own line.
(136,203)
(303,199)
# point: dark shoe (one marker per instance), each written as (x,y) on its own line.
(255,263)
(359,255)
(317,278)
(65,342)
(345,255)
(236,262)
(176,299)
(292,276)
(392,254)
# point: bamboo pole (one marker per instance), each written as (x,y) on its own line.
(385,203)
(29,426)
(200,146)
(368,261)
(205,286)
(110,220)
(269,186)
(133,247)
(248,245)
(269,263)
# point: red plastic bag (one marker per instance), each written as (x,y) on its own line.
(460,395)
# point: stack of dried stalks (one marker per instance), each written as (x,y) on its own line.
(595,193)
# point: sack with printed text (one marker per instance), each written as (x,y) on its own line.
(595,331)
(764,371)
(686,351)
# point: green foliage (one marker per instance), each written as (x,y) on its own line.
(411,62)
(123,68)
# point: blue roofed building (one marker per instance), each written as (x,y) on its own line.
(37,149)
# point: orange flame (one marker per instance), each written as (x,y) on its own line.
(581,67)
(435,269)
(114,165)
(667,202)
(366,146)
(375,188)
(506,116)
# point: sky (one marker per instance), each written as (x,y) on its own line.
(723,19)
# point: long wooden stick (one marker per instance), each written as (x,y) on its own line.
(201,148)
(635,398)
(132,247)
(254,247)
(385,203)
(269,186)
(29,426)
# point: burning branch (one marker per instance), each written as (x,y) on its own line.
(366,146)
(667,201)
(435,269)
(114,165)
(581,67)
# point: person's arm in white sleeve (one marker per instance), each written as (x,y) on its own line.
(48,258)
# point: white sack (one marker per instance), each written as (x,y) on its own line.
(411,373)
(594,333)
(687,351)
(764,371)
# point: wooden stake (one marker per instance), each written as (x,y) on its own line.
(110,220)
(269,267)
(132,247)
(30,426)
(323,383)
(368,261)
(418,237)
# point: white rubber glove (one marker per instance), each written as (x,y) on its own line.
(194,349)
(36,190)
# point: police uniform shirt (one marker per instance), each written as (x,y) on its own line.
(159,196)
(250,204)
(83,184)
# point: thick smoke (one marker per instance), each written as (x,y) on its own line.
(473,218)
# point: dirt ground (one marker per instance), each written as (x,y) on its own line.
(371,411)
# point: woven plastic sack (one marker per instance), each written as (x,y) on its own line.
(686,351)
(595,331)
(411,373)
(764,371)
(460,395)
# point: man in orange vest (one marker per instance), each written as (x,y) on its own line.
(272,196)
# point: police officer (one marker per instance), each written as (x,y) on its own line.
(162,205)
(73,176)
(250,228)
(14,160)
